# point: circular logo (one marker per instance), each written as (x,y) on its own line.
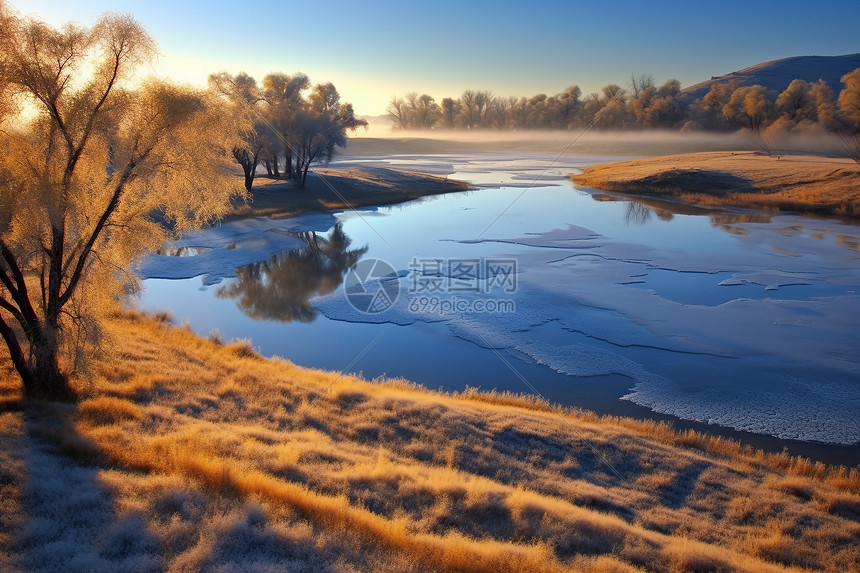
(371,286)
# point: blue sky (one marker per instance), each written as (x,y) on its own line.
(373,50)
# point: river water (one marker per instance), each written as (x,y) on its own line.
(739,322)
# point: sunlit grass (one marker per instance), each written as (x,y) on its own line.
(190,453)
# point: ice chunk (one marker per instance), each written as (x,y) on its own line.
(217,252)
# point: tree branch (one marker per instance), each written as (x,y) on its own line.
(16,354)
(13,310)
(19,291)
(75,153)
(91,241)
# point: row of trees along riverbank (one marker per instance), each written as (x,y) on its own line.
(802,107)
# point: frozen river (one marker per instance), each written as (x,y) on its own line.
(744,320)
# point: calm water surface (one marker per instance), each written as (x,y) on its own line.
(737,322)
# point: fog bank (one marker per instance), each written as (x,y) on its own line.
(382,139)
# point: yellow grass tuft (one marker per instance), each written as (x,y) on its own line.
(103,410)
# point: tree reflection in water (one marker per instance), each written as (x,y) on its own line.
(280,287)
(639,211)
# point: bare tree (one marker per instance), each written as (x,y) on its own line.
(641,82)
(79,182)
(398,112)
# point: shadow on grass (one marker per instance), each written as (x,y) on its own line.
(70,519)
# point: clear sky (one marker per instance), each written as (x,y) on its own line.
(372,50)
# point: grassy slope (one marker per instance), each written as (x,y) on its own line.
(188,453)
(790,182)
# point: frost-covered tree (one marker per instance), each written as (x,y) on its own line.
(320,126)
(450,109)
(796,103)
(423,110)
(825,105)
(751,106)
(94,170)
(613,112)
(283,94)
(244,97)
(849,104)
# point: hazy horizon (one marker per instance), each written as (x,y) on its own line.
(380,49)
(621,142)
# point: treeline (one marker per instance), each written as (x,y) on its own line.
(293,125)
(644,105)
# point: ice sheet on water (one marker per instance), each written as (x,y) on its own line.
(821,410)
(583,360)
(770,280)
(217,252)
(788,368)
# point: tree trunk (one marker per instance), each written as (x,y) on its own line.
(17,356)
(288,166)
(248,163)
(41,375)
(48,381)
(304,175)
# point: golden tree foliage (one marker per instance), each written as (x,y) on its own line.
(96,167)
(849,103)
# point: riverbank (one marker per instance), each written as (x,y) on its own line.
(187,453)
(336,189)
(799,183)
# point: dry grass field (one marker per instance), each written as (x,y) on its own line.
(190,454)
(803,183)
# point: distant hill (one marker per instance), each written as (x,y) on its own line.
(778,74)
